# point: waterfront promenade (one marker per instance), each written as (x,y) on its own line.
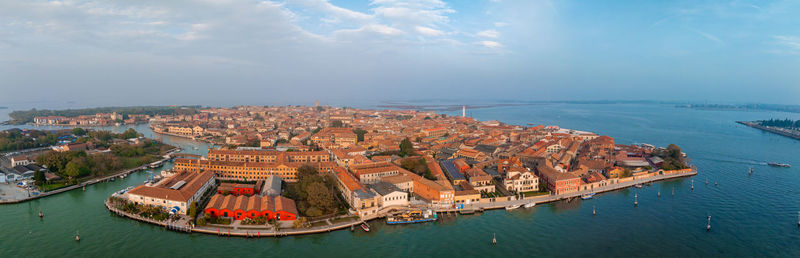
(259,231)
(552,198)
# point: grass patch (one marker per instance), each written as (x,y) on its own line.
(319,224)
(534,193)
(345,219)
(53,186)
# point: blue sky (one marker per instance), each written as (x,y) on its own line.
(292,52)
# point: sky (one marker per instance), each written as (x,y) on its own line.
(230,52)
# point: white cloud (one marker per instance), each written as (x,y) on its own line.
(420,12)
(337,13)
(365,32)
(429,31)
(490,44)
(501,24)
(707,36)
(489,34)
(788,41)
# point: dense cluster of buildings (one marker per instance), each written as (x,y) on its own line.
(99,119)
(462,160)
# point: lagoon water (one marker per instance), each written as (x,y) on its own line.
(752,215)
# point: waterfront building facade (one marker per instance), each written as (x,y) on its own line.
(175,193)
(249,171)
(241,207)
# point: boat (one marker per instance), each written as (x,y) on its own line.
(513,207)
(587,196)
(529,205)
(782,165)
(638,185)
(414,216)
(365,227)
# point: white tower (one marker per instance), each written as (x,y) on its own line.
(463,111)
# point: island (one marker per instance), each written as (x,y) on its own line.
(42,163)
(291,170)
(743,107)
(102,116)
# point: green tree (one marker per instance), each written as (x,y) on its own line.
(300,222)
(193,210)
(77,167)
(78,131)
(38,177)
(673,151)
(307,173)
(406,147)
(360,134)
(130,133)
(337,123)
(320,197)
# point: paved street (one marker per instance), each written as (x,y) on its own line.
(12,192)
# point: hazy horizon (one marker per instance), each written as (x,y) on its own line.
(224,53)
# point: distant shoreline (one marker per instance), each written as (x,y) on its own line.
(743,107)
(755,125)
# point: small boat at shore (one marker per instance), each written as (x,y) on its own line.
(587,196)
(365,227)
(781,165)
(513,207)
(529,205)
(415,216)
(638,185)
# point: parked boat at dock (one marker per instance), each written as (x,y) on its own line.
(587,196)
(365,227)
(638,185)
(414,216)
(529,205)
(513,207)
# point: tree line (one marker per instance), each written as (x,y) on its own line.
(15,139)
(313,193)
(26,116)
(785,123)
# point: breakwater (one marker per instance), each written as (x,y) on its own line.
(780,131)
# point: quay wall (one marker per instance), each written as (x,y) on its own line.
(250,232)
(553,198)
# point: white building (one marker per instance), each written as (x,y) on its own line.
(175,194)
(389,194)
(521,180)
(20,161)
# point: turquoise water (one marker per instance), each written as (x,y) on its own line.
(752,215)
